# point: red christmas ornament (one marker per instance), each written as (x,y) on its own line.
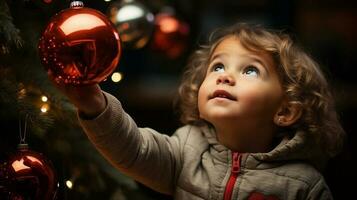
(170,36)
(79,46)
(28,175)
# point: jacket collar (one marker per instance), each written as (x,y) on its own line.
(300,147)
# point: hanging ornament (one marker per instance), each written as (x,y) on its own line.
(79,46)
(171,34)
(133,21)
(28,174)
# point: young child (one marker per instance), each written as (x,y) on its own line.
(259,124)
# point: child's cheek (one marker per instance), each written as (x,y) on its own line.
(254,99)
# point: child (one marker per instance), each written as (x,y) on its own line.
(259,124)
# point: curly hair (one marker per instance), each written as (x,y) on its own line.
(301,78)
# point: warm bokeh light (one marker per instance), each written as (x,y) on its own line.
(69,184)
(44,98)
(45,108)
(116,77)
(169,25)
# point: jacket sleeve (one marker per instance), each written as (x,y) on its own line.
(141,153)
(320,191)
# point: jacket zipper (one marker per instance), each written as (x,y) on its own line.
(233,177)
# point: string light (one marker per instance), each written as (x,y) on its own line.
(44,98)
(44,108)
(69,184)
(116,77)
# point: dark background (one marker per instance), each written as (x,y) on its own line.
(326,29)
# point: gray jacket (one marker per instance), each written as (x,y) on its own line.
(191,164)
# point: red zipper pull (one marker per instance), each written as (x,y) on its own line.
(235,162)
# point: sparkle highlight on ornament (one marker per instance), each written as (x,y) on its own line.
(80,22)
(116,77)
(33,159)
(69,184)
(19,165)
(129,12)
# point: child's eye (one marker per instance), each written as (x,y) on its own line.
(218,68)
(251,71)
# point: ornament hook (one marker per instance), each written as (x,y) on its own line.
(24,133)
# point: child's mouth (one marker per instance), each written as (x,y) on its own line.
(223,94)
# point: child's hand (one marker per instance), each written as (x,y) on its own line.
(88,99)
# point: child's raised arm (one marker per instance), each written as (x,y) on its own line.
(141,153)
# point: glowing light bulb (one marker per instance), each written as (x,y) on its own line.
(69,184)
(116,77)
(44,108)
(44,98)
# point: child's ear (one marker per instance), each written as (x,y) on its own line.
(288,113)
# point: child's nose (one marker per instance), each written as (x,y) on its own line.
(225,79)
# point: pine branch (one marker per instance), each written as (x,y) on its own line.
(17,101)
(9,34)
(22,83)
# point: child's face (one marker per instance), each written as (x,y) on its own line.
(240,85)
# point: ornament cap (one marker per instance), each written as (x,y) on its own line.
(22,146)
(76,4)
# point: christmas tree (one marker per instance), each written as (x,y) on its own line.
(152,70)
(27,96)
